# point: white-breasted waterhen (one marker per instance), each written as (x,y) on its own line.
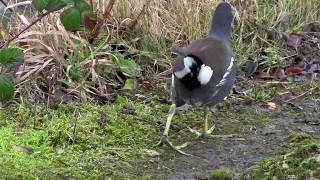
(204,71)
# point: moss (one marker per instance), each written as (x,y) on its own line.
(221,175)
(310,164)
(254,116)
(297,162)
(77,141)
(296,137)
(316,173)
(304,150)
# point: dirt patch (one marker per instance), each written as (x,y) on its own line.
(234,155)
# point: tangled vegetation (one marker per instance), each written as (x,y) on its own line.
(87,99)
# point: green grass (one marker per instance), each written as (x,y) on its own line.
(91,141)
(76,140)
(299,160)
(221,175)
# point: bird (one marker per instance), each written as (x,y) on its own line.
(204,71)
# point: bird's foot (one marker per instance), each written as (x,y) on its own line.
(204,134)
(164,140)
(208,134)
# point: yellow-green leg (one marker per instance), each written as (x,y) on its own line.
(207,133)
(164,139)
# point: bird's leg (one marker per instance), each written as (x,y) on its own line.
(164,139)
(208,132)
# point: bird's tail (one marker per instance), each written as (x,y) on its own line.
(221,23)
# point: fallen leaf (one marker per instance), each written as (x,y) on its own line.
(284,17)
(285,166)
(279,74)
(293,40)
(294,70)
(271,105)
(312,27)
(301,62)
(145,86)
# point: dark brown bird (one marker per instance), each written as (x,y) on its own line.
(204,71)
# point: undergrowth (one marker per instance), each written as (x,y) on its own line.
(143,32)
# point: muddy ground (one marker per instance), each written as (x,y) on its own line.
(237,155)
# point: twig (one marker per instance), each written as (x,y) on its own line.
(108,9)
(5,4)
(300,95)
(100,22)
(25,29)
(18,4)
(143,9)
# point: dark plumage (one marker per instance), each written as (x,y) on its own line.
(204,71)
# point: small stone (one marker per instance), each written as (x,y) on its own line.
(291,177)
(151,153)
(285,166)
(271,105)
(24,149)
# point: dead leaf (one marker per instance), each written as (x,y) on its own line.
(293,40)
(145,86)
(301,62)
(284,17)
(294,70)
(312,27)
(271,105)
(279,74)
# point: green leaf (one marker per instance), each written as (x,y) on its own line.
(40,4)
(6,88)
(8,55)
(71,19)
(128,67)
(89,20)
(55,5)
(83,6)
(69,1)
(121,100)
(130,84)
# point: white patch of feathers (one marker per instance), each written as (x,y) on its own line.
(205,74)
(187,61)
(224,78)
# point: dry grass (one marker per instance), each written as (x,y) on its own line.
(148,26)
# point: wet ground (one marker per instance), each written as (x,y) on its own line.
(237,155)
